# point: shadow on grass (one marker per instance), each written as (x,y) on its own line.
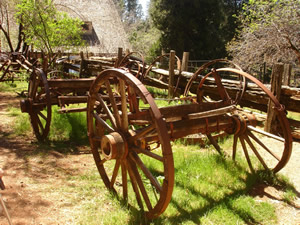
(184,213)
(187,214)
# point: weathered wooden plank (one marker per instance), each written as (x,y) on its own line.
(71,83)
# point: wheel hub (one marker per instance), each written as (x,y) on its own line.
(26,105)
(241,121)
(113,146)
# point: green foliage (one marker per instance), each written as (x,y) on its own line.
(45,27)
(143,37)
(199,27)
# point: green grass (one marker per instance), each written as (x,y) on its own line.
(21,123)
(157,92)
(64,127)
(293,115)
(17,86)
(208,190)
(68,127)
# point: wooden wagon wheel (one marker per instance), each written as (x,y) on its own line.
(272,150)
(38,104)
(130,142)
(132,62)
(241,82)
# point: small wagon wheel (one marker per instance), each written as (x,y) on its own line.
(131,61)
(241,83)
(130,142)
(158,59)
(272,150)
(38,104)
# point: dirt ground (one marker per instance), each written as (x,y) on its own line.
(33,204)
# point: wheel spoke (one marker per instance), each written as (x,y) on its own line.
(246,153)
(235,140)
(146,171)
(148,153)
(108,112)
(142,133)
(141,185)
(124,180)
(115,173)
(266,133)
(103,123)
(42,115)
(256,152)
(222,91)
(263,145)
(134,185)
(40,125)
(102,162)
(124,106)
(35,88)
(113,104)
(133,101)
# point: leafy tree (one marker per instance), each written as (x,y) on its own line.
(201,27)
(144,39)
(46,28)
(6,11)
(269,32)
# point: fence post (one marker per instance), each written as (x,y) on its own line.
(185,61)
(82,65)
(171,73)
(59,55)
(120,57)
(276,81)
(287,71)
(45,64)
(264,73)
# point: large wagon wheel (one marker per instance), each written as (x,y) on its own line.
(130,142)
(272,150)
(38,104)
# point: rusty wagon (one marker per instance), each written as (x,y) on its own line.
(130,136)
